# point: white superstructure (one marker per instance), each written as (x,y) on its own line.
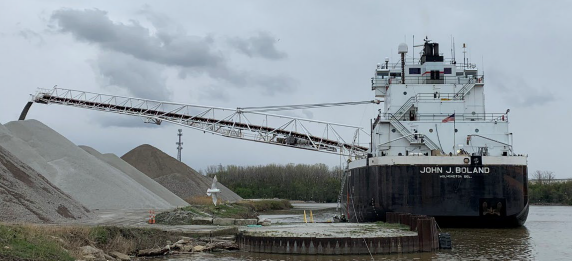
(420,94)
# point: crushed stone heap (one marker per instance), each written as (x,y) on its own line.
(176,176)
(92,182)
(26,196)
(138,176)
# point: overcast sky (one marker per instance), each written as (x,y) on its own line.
(256,53)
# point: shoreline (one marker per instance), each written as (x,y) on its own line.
(550,204)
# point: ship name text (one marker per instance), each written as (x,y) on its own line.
(455,170)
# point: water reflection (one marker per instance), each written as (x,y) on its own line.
(500,244)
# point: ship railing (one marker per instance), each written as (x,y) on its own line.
(417,61)
(439,96)
(472,136)
(378,81)
(498,117)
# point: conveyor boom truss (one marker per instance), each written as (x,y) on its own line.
(232,123)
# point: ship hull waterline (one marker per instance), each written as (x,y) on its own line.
(457,196)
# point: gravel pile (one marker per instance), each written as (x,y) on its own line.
(138,176)
(174,175)
(92,182)
(27,196)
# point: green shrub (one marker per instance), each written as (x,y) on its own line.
(100,235)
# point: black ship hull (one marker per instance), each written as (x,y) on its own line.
(457,196)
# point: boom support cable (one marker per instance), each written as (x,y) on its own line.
(305,106)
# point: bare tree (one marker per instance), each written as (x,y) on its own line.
(543,177)
(549,176)
(538,177)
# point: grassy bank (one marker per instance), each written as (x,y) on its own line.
(23,243)
(48,242)
(202,209)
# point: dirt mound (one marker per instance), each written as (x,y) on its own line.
(26,196)
(138,176)
(176,176)
(92,182)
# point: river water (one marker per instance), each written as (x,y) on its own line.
(547,235)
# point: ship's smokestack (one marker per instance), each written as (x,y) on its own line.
(402,49)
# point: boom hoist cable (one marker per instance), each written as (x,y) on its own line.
(305,106)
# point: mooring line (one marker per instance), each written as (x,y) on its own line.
(357,221)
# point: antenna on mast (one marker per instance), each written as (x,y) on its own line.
(179,145)
(464,52)
(413,53)
(454,52)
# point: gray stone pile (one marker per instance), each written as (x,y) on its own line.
(87,179)
(176,176)
(138,176)
(27,196)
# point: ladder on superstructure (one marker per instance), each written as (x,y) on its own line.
(413,138)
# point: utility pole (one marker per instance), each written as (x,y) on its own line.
(179,145)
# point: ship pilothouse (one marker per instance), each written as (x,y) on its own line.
(435,106)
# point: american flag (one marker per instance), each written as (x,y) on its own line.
(450,118)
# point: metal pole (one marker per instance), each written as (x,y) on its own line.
(402,68)
(454,131)
(179,145)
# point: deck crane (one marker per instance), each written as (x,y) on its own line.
(236,123)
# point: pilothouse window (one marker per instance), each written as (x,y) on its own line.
(414,70)
(447,70)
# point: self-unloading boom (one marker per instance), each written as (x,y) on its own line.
(232,123)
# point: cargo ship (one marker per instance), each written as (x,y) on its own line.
(435,150)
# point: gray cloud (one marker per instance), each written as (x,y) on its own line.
(530,99)
(267,84)
(262,45)
(139,78)
(31,36)
(309,114)
(94,26)
(272,85)
(519,93)
(193,55)
(124,121)
(213,93)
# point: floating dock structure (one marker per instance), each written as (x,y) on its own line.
(422,236)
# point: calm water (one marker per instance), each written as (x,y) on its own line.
(547,235)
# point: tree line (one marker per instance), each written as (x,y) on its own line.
(305,182)
(544,189)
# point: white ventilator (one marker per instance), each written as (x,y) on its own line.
(213,191)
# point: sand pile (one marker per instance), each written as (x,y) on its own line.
(26,196)
(92,182)
(174,175)
(138,176)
